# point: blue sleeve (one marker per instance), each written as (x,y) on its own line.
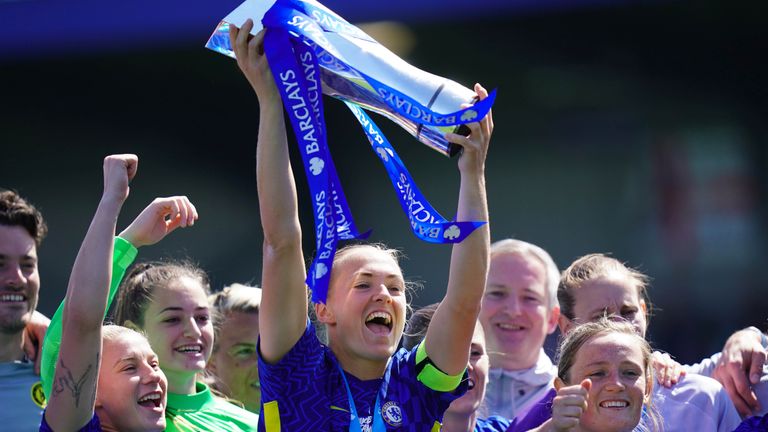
(92,426)
(303,356)
(492,424)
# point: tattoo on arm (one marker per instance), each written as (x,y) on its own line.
(65,380)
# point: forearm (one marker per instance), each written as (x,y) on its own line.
(73,394)
(470,258)
(278,203)
(87,294)
(123,255)
(282,315)
(450,332)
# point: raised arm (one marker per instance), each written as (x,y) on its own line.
(161,217)
(73,396)
(283,311)
(450,333)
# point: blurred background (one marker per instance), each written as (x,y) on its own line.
(630,127)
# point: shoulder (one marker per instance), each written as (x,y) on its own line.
(303,354)
(697,401)
(693,387)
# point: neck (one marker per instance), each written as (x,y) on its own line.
(11,347)
(499,360)
(362,368)
(181,382)
(458,422)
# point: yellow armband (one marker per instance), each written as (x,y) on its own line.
(431,376)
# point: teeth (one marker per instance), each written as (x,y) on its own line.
(150,397)
(613,404)
(12,298)
(510,326)
(189,348)
(383,315)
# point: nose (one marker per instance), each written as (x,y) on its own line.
(512,306)
(382,294)
(13,276)
(191,329)
(153,375)
(614,383)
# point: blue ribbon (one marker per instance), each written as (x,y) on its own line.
(299,88)
(295,39)
(426,222)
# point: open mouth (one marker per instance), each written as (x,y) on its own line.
(151,400)
(379,322)
(190,349)
(614,404)
(510,327)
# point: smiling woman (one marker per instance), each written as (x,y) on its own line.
(359,380)
(234,365)
(169,302)
(604,380)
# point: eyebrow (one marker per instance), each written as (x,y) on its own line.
(23,257)
(390,276)
(177,308)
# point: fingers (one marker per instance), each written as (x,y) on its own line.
(756,366)
(176,211)
(569,404)
(240,45)
(586,384)
(256,45)
(668,371)
(742,386)
(487,121)
(119,169)
(184,211)
(727,380)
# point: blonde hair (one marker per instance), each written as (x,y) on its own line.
(395,254)
(525,249)
(113,332)
(580,335)
(233,298)
(596,266)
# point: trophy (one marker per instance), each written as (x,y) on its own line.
(312,51)
(356,61)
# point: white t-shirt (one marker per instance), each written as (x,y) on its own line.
(695,403)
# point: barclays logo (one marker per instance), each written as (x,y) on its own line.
(320,270)
(316,165)
(469,115)
(452,233)
(382,153)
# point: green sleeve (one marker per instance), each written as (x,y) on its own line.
(123,255)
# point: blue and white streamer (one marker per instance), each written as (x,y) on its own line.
(296,45)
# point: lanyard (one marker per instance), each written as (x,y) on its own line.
(354,421)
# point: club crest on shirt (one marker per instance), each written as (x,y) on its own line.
(36,392)
(392,414)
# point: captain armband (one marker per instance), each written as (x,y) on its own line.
(431,376)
